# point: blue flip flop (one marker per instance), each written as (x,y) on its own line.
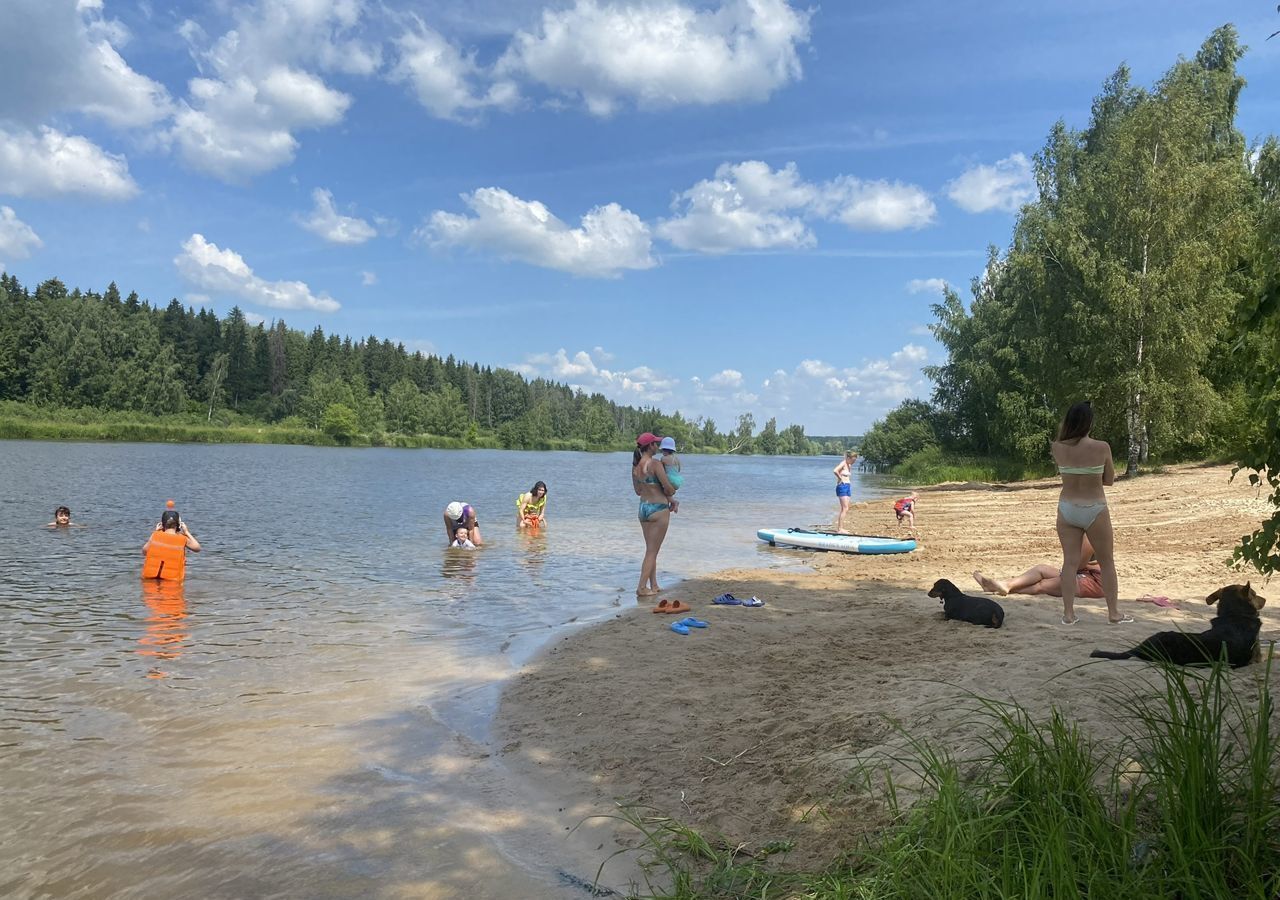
(679,628)
(691,622)
(752,602)
(727,600)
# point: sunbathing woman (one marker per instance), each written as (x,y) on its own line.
(1047,580)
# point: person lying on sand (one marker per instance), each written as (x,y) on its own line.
(1047,579)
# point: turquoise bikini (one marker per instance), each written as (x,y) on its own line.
(649,510)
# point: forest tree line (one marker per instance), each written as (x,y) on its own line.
(1142,278)
(72,350)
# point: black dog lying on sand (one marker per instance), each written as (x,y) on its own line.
(1233,631)
(961,606)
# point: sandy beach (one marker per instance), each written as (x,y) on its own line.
(748,729)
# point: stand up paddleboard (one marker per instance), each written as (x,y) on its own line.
(843,543)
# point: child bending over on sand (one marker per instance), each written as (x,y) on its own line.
(905,509)
(671,463)
(460,539)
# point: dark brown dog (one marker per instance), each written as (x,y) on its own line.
(975,610)
(1232,633)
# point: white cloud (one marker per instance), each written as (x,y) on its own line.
(443,77)
(826,398)
(727,378)
(609,240)
(876,205)
(61,56)
(744,207)
(368,279)
(55,163)
(662,52)
(926,285)
(331,225)
(17,239)
(843,399)
(242,127)
(253,318)
(210,268)
(749,206)
(242,122)
(1005,186)
(581,371)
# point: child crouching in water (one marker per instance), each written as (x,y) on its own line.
(461,540)
(671,463)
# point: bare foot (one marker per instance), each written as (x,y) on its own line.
(990,585)
(641,592)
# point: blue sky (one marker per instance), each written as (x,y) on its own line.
(716,207)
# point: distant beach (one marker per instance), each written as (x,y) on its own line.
(745,730)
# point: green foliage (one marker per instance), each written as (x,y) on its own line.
(67,350)
(933,465)
(339,421)
(904,431)
(1120,280)
(1258,340)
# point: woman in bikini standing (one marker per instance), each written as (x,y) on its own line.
(649,481)
(1086,468)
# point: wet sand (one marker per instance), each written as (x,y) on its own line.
(746,730)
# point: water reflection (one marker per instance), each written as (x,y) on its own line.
(533,544)
(165,633)
(459,563)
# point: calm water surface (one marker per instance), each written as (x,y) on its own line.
(308,715)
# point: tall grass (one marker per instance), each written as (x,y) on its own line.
(933,466)
(1185,805)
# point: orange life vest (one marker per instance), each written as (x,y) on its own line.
(166,556)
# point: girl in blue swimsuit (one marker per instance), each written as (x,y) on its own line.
(1086,468)
(650,483)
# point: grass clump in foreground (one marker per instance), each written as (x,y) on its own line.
(1187,805)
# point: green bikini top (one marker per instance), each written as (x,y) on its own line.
(1081,470)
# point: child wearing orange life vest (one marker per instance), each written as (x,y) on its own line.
(165,552)
(905,508)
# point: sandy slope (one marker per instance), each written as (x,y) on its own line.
(744,729)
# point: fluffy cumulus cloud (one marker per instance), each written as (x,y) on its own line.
(749,206)
(826,398)
(608,240)
(208,267)
(48,162)
(61,56)
(926,285)
(876,205)
(585,370)
(1005,186)
(331,225)
(17,239)
(262,84)
(448,82)
(841,400)
(746,206)
(661,52)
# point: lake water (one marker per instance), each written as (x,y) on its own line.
(308,716)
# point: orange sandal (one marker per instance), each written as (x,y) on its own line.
(664,606)
(678,606)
